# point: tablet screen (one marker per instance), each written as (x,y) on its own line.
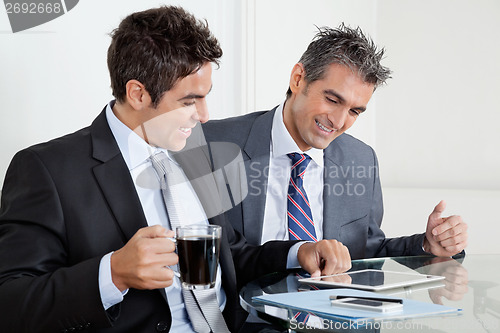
(371,279)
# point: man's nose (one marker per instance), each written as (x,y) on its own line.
(201,112)
(338,117)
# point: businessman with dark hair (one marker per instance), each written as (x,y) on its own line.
(84,231)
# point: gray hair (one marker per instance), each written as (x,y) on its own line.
(345,46)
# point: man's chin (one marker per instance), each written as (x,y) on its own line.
(177,147)
(173,146)
(325,143)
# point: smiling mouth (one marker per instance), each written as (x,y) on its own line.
(185,129)
(322,127)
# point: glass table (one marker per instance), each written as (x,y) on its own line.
(472,283)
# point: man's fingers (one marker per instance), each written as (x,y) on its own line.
(449,227)
(154,246)
(445,236)
(325,257)
(337,258)
(454,249)
(159,277)
(339,278)
(167,259)
(154,232)
(452,236)
(453,239)
(316,273)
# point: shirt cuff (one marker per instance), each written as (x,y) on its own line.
(110,294)
(292,260)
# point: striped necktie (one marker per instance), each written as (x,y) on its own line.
(201,305)
(300,221)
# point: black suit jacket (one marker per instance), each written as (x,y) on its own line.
(65,204)
(352,195)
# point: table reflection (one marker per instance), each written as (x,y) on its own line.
(478,297)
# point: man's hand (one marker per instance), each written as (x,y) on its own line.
(325,257)
(446,236)
(142,262)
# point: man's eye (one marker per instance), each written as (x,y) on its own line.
(331,100)
(355,112)
(189,103)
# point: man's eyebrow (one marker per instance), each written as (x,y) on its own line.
(335,94)
(195,96)
(342,99)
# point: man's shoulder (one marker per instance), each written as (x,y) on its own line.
(231,129)
(351,148)
(59,151)
(348,140)
(243,120)
(72,141)
(72,144)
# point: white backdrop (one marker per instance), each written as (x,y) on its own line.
(54,77)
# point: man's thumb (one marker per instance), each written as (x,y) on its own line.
(439,209)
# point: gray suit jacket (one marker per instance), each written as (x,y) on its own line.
(352,195)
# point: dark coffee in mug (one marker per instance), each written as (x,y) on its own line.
(198,259)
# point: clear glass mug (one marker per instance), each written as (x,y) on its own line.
(198,247)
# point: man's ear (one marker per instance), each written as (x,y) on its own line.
(136,95)
(297,78)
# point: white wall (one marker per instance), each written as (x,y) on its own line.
(54,78)
(438,120)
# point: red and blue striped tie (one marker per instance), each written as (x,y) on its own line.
(300,221)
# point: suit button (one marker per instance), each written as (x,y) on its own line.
(162,326)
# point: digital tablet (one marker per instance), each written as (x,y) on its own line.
(371,279)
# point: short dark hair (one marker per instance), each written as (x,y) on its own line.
(345,46)
(158,47)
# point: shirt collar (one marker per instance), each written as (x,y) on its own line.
(134,149)
(282,142)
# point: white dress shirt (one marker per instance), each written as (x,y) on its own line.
(136,153)
(275,215)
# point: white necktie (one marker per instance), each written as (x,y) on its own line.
(201,305)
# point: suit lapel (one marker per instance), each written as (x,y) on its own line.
(114,179)
(338,205)
(196,165)
(331,205)
(209,187)
(257,150)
